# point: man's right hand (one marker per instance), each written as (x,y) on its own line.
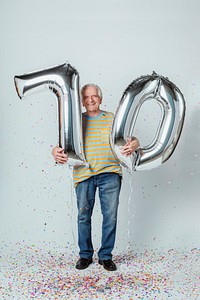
(59,155)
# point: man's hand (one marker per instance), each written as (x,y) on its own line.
(59,155)
(130,146)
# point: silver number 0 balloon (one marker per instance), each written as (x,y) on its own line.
(154,88)
(63,81)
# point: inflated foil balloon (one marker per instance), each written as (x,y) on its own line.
(148,88)
(63,81)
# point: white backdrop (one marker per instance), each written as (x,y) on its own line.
(109,43)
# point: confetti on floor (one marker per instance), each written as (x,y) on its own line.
(29,272)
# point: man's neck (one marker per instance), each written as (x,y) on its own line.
(93,114)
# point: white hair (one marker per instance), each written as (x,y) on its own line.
(99,91)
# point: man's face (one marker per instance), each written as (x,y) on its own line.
(91,100)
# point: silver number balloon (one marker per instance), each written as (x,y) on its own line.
(154,88)
(63,81)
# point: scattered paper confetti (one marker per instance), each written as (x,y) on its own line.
(28,272)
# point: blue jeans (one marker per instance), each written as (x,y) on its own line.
(109,185)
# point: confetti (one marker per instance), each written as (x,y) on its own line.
(29,272)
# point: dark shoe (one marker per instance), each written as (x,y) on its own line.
(108,264)
(83,263)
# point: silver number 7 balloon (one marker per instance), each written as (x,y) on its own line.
(153,88)
(63,81)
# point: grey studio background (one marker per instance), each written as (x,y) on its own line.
(110,43)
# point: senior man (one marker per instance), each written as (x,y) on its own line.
(104,173)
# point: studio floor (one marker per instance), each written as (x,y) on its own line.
(31,272)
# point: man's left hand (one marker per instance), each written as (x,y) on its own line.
(130,146)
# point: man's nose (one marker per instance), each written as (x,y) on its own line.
(91,99)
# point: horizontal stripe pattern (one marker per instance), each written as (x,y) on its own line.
(96,143)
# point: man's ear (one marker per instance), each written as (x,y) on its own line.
(100,100)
